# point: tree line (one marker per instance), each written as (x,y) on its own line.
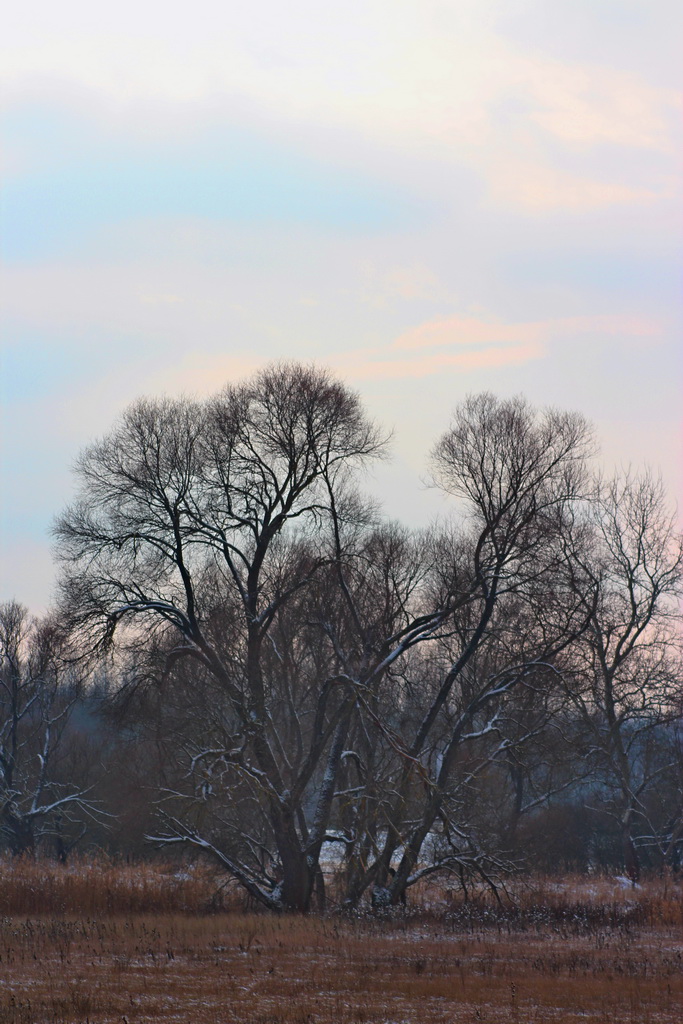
(250,660)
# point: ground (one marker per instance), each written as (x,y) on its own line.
(558,951)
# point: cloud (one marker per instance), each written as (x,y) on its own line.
(368,82)
(588,104)
(487,344)
(473,331)
(202,373)
(539,188)
(385,282)
(361,365)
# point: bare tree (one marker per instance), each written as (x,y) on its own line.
(502,584)
(38,692)
(326,679)
(198,523)
(627,681)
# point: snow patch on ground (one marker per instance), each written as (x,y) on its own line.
(626,883)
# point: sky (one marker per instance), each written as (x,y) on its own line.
(431,198)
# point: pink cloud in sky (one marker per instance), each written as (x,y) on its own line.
(201,373)
(472,331)
(487,344)
(537,187)
(361,366)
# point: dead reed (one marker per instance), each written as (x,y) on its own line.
(101,886)
(559,951)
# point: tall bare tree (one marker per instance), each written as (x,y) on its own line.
(38,692)
(198,523)
(627,683)
(502,583)
(350,680)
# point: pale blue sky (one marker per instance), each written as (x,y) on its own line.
(433,197)
(223,173)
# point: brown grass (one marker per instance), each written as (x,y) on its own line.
(565,951)
(100,886)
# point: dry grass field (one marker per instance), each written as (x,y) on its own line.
(140,944)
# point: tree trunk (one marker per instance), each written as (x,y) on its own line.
(297,879)
(22,841)
(631,858)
